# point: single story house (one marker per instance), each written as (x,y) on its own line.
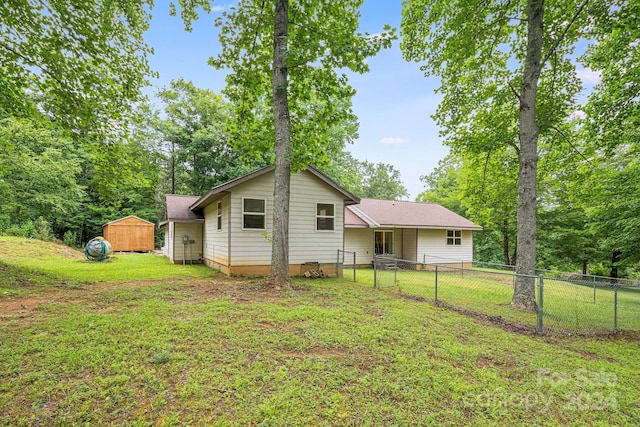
(229,227)
(414,231)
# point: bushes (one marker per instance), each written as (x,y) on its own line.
(39,229)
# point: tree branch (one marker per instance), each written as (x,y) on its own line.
(564,33)
(517,95)
(569,142)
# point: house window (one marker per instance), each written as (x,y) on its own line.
(219,215)
(325,216)
(454,237)
(253,214)
(383,242)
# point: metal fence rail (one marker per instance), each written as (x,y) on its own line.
(350,258)
(567,304)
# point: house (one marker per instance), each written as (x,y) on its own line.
(229,228)
(130,234)
(421,232)
(183,230)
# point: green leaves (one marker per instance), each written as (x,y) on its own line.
(323,40)
(39,173)
(85,61)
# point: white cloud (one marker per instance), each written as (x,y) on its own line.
(392,140)
(589,77)
(577,114)
(215,9)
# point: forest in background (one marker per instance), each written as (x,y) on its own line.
(54,185)
(79,147)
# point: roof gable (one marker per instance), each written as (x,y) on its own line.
(135,218)
(215,192)
(376,213)
(177,208)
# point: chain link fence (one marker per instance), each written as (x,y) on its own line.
(347,258)
(567,303)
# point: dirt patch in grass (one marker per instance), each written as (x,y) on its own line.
(321,353)
(240,291)
(497,321)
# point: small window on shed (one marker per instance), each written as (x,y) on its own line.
(454,237)
(325,216)
(253,214)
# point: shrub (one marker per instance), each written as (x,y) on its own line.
(70,238)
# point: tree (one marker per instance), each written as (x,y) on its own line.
(509,60)
(289,52)
(200,153)
(83,62)
(39,173)
(381,181)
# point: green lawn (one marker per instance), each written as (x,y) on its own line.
(66,263)
(568,307)
(218,351)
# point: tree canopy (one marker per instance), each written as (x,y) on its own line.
(82,62)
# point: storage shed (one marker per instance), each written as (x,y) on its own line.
(129,234)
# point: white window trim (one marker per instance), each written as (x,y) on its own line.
(254,213)
(326,216)
(457,236)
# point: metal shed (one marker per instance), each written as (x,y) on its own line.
(129,234)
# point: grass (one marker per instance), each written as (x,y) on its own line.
(220,351)
(65,263)
(568,306)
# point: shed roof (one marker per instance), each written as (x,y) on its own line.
(129,217)
(374,213)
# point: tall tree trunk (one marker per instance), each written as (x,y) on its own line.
(279,274)
(505,242)
(524,295)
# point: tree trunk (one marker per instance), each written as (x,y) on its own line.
(505,242)
(279,274)
(524,295)
(616,256)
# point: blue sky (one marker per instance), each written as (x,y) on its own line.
(394,101)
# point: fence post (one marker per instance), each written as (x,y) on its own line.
(615,307)
(436,293)
(375,272)
(395,273)
(540,303)
(594,289)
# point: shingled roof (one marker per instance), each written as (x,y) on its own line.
(374,213)
(178,209)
